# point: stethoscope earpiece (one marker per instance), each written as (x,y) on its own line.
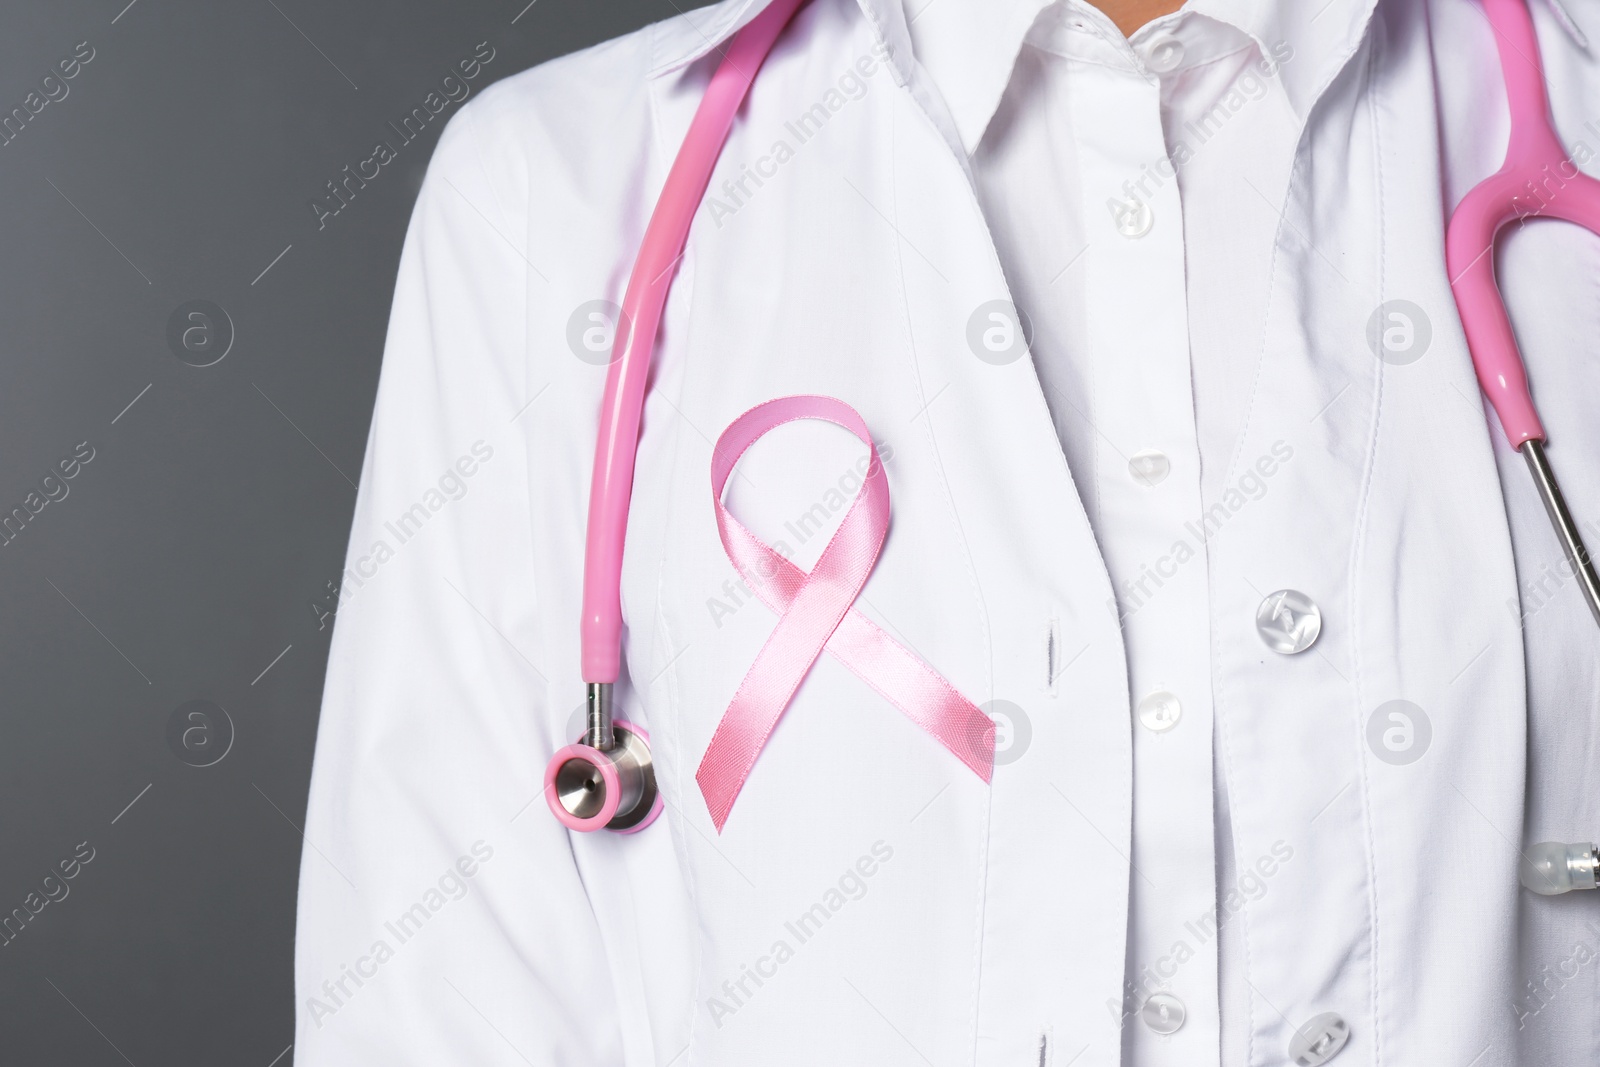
(1551,868)
(606,781)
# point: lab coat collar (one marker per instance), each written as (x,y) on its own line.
(984,38)
(681,41)
(678,42)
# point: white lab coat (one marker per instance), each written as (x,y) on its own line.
(871,901)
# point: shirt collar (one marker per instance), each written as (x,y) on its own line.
(969,47)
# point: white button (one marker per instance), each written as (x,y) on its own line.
(1160,711)
(1132,218)
(1319,1040)
(1163,53)
(1163,1013)
(1288,621)
(1149,467)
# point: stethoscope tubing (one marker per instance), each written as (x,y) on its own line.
(1534,155)
(622,405)
(604,766)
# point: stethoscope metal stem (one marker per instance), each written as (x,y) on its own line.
(1556,505)
(597,732)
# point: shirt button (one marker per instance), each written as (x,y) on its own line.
(1319,1040)
(1163,1013)
(1163,53)
(1288,621)
(1132,217)
(1160,712)
(1149,467)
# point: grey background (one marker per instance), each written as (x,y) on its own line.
(185,561)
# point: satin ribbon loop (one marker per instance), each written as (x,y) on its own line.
(815,613)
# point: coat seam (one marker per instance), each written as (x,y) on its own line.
(1358,551)
(663,631)
(982,863)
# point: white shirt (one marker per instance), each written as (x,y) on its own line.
(870,900)
(1122,178)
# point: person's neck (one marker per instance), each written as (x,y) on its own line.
(1129,15)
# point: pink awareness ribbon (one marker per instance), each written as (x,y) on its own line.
(816,612)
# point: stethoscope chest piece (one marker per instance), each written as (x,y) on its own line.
(606,781)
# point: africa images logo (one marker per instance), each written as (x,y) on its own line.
(852,885)
(453,88)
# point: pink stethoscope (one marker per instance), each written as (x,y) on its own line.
(1535,163)
(606,780)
